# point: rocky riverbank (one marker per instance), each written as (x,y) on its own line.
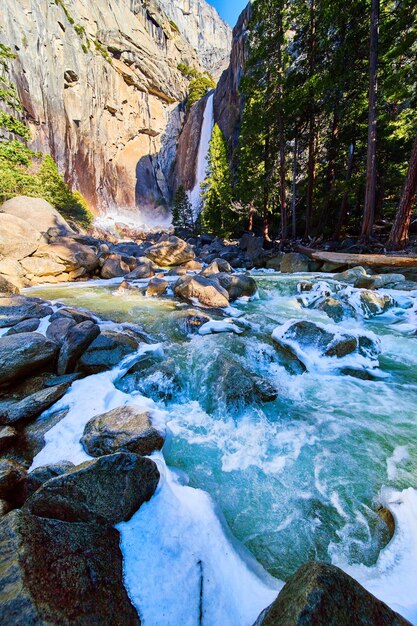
(60,559)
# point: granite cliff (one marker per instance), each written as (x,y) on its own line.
(102,93)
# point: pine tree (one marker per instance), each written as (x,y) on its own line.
(182,212)
(217,216)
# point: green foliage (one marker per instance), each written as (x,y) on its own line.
(22,171)
(102,50)
(198,88)
(182,212)
(187,71)
(174,26)
(217,216)
(61,4)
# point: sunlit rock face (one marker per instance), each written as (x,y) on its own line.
(101,92)
(204,29)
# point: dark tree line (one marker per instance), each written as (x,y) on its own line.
(330,117)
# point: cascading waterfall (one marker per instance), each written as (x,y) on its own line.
(203,150)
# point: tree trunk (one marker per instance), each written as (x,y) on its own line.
(399,233)
(294,190)
(345,200)
(266,187)
(282,183)
(312,125)
(370,194)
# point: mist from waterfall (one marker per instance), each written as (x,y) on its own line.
(203,150)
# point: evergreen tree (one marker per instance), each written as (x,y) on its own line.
(182,212)
(217,216)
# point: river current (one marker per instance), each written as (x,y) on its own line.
(296,478)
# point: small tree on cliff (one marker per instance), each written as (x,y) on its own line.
(217,216)
(182,212)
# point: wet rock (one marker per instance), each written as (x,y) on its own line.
(24,353)
(207,291)
(157,287)
(33,405)
(275,262)
(373,303)
(295,262)
(76,342)
(125,429)
(153,376)
(8,435)
(37,477)
(190,321)
(235,385)
(8,285)
(16,309)
(324,594)
(106,351)
(58,329)
(57,573)
(237,285)
(172,251)
(12,475)
(107,490)
(336,309)
(380,281)
(32,439)
(114,267)
(27,326)
(75,314)
(215,267)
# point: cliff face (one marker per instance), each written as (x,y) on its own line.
(228,109)
(228,103)
(101,92)
(204,29)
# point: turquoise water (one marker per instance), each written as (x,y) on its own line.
(299,477)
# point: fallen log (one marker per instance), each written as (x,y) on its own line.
(352,260)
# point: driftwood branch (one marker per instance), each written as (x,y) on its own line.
(371,260)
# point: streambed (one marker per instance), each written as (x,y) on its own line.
(299,477)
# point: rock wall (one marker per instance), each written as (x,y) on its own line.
(101,92)
(228,103)
(204,29)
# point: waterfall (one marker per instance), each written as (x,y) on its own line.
(203,149)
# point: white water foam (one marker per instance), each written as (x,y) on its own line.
(203,150)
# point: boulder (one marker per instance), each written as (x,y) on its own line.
(18,239)
(215,267)
(144,269)
(380,281)
(153,376)
(74,314)
(27,326)
(16,309)
(157,287)
(58,329)
(43,267)
(38,213)
(32,438)
(107,490)
(24,353)
(57,573)
(114,267)
(107,350)
(274,263)
(8,435)
(68,252)
(8,285)
(295,262)
(373,303)
(33,405)
(125,429)
(207,291)
(172,251)
(189,321)
(236,385)
(336,309)
(237,285)
(37,477)
(320,594)
(352,275)
(76,342)
(12,475)
(9,267)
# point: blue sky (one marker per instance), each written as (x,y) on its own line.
(229,9)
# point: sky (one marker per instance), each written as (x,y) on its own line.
(229,9)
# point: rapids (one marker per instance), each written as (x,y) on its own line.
(297,478)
